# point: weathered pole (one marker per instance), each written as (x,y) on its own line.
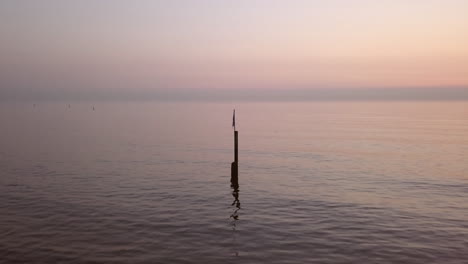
(234,165)
(236,147)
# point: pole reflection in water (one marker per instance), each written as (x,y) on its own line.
(235,214)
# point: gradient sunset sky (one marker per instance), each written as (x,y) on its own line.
(243,44)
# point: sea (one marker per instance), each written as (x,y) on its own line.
(149,182)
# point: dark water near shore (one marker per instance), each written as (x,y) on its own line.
(335,182)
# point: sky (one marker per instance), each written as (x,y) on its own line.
(64,48)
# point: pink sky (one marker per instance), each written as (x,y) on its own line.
(234,44)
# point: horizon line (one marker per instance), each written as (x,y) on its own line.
(251,95)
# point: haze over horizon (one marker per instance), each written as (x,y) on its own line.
(246,50)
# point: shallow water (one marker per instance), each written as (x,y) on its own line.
(329,182)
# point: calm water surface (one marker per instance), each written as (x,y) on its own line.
(335,182)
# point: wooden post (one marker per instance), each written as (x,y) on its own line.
(234,176)
(236,150)
(234,165)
